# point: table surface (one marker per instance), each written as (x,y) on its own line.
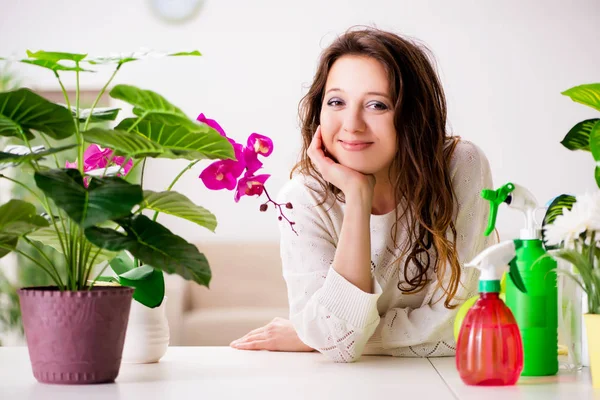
(223,372)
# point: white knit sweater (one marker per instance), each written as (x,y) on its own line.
(341,321)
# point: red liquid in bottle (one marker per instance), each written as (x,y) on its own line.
(489,350)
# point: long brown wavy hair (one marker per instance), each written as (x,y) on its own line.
(419,172)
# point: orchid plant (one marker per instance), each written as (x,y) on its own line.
(91,214)
(572,224)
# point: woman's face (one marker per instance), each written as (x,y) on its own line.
(357,117)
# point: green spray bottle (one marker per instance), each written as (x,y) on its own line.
(536,311)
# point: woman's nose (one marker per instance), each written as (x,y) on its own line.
(353,121)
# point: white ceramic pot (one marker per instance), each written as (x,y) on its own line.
(147,336)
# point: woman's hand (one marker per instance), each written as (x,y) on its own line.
(346,179)
(277,335)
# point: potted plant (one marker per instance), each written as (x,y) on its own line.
(76,329)
(572,224)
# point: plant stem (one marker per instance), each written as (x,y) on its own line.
(100,274)
(49,147)
(50,263)
(30,259)
(26,188)
(77,132)
(91,265)
(183,171)
(143,169)
(87,121)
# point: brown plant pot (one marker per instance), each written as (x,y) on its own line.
(75,337)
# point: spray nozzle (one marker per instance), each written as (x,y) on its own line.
(496,197)
(497,259)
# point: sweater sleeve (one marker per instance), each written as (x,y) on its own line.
(428,330)
(329,313)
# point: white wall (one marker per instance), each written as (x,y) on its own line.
(503,65)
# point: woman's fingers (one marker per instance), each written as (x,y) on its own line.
(254,345)
(249,338)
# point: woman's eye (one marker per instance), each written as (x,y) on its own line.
(378,106)
(335,102)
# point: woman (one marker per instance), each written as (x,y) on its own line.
(387,209)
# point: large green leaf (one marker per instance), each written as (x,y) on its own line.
(121,263)
(147,103)
(129,143)
(588,94)
(53,65)
(578,137)
(105,198)
(155,245)
(17,218)
(23,156)
(26,111)
(55,56)
(149,285)
(192,142)
(129,57)
(99,114)
(49,237)
(174,203)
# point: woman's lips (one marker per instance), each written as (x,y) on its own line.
(355,146)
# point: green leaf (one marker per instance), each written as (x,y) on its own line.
(149,285)
(109,279)
(148,103)
(128,143)
(129,57)
(53,65)
(109,239)
(27,111)
(49,237)
(121,263)
(99,114)
(15,159)
(556,208)
(105,198)
(595,149)
(17,218)
(185,53)
(55,56)
(154,245)
(192,142)
(588,94)
(578,137)
(174,203)
(8,127)
(137,274)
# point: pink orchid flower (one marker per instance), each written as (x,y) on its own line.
(212,123)
(95,157)
(250,186)
(224,174)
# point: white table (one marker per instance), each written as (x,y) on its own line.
(222,372)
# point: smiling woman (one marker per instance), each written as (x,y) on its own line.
(386,205)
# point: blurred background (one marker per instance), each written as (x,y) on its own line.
(503,66)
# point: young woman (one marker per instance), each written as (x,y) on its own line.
(387,209)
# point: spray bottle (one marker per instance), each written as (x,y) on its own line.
(536,311)
(489,350)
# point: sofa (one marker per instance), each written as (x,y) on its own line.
(247,291)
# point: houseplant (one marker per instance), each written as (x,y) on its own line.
(572,224)
(92,214)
